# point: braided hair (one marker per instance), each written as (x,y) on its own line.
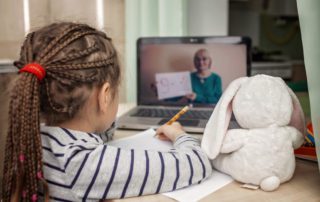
(76,58)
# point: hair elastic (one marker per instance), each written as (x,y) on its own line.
(34,68)
(34,197)
(21,158)
(39,175)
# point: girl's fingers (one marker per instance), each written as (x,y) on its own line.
(163,137)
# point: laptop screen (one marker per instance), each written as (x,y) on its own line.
(174,71)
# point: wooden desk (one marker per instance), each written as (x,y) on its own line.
(304,186)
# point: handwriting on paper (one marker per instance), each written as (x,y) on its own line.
(173,84)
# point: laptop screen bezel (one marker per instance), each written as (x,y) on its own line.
(188,40)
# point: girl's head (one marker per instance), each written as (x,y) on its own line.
(80,63)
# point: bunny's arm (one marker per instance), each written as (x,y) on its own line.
(296,136)
(233,140)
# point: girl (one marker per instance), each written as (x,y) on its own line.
(70,74)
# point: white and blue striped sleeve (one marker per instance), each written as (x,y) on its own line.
(109,172)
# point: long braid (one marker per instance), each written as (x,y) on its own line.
(11,148)
(9,152)
(24,139)
(23,175)
(26,110)
(35,103)
(31,161)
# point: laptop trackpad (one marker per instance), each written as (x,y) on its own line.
(183,122)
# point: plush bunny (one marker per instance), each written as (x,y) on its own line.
(272,126)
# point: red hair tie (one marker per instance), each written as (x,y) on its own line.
(21,158)
(36,69)
(39,175)
(24,194)
(34,197)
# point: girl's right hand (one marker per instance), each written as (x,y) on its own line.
(170,132)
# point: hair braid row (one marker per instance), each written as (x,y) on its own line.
(75,56)
(56,40)
(74,77)
(64,44)
(88,65)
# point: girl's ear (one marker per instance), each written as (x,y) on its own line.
(104,97)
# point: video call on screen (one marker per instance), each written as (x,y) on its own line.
(177,74)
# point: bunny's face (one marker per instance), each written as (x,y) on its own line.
(261,102)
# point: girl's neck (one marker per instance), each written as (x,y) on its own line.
(81,123)
(77,125)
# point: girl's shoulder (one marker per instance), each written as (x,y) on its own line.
(67,136)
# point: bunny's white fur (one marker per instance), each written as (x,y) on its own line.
(261,151)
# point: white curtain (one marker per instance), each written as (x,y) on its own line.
(309,16)
(149,18)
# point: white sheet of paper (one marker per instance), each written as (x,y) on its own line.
(139,141)
(146,140)
(198,191)
(173,84)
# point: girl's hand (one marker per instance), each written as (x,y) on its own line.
(170,132)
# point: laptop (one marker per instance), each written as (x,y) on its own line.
(170,76)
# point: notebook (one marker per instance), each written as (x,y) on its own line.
(173,72)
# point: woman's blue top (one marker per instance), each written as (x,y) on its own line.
(208,89)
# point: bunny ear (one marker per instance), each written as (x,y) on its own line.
(297,118)
(218,123)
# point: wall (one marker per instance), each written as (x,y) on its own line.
(244,20)
(207,17)
(261,21)
(169,18)
(43,12)
(12,27)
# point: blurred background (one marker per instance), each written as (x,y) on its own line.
(273,26)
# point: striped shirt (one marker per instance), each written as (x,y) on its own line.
(80,166)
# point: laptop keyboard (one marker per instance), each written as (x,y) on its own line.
(184,122)
(169,113)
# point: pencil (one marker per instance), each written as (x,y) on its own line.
(177,116)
